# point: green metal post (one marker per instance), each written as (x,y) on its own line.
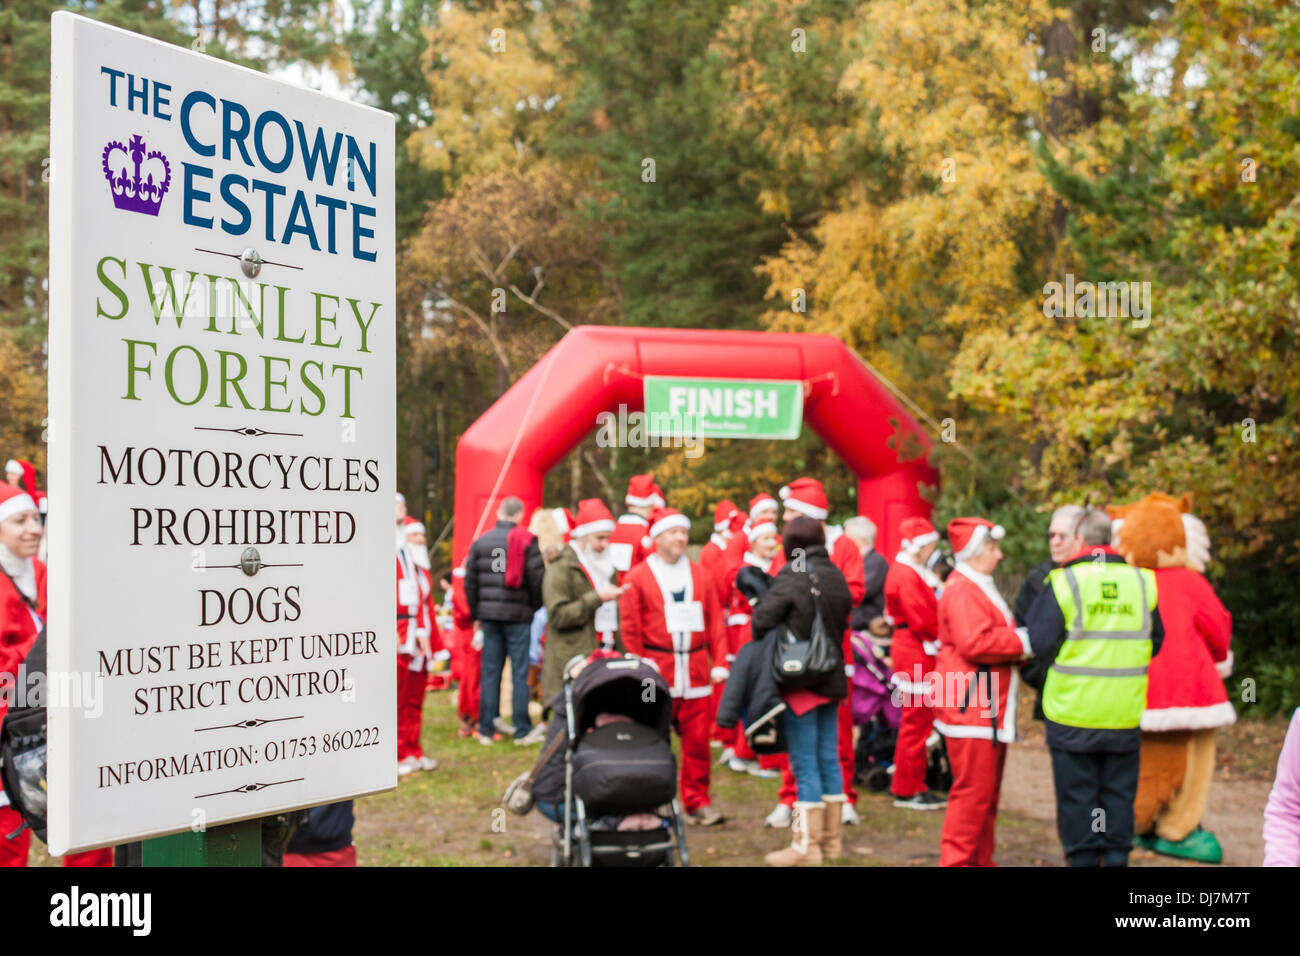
(235,844)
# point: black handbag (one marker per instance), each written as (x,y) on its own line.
(22,754)
(797,663)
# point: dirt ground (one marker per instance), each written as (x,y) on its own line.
(452,816)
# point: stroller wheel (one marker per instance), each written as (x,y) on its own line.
(877,779)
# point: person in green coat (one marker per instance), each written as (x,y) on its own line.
(580,597)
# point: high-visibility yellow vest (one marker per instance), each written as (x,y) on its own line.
(1099,678)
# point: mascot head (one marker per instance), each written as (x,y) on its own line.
(1160,531)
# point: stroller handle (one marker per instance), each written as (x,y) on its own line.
(573,662)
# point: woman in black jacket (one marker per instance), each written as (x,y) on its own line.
(810,717)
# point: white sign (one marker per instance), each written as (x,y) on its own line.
(684,616)
(205,424)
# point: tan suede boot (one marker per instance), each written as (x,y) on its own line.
(833,827)
(805,842)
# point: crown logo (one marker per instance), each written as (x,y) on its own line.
(139,180)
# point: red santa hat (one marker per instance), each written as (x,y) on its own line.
(723,514)
(766,527)
(14,501)
(916,534)
(762,501)
(593,518)
(564,522)
(806,496)
(967,536)
(642,492)
(412,526)
(665,518)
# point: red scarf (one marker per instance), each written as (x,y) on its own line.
(517,542)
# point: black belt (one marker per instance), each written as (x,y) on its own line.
(672,650)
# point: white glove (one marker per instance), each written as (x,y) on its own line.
(477,642)
(442,655)
(719,674)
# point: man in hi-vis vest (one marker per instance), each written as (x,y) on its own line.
(1098,623)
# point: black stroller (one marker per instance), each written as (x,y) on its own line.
(619,764)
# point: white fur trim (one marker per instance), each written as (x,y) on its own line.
(561,520)
(997,533)
(919,542)
(812,511)
(17,505)
(1189,718)
(671,521)
(633,519)
(985,583)
(735,620)
(929,577)
(764,503)
(414,527)
(654,501)
(592,527)
(767,527)
(400,497)
(1224,667)
(719,673)
(1198,542)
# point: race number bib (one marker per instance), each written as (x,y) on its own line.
(408,592)
(620,552)
(607,616)
(685,616)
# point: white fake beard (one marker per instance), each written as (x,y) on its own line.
(600,563)
(419,554)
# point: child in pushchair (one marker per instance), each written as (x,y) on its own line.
(611,783)
(875,713)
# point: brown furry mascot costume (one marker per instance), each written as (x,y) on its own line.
(1186,698)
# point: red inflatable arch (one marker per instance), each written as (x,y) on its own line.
(594,369)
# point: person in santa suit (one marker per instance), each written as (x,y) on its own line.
(670,615)
(416,636)
(762,508)
(713,556)
(806,497)
(466,657)
(745,586)
(22,616)
(714,553)
(974,688)
(630,542)
(912,607)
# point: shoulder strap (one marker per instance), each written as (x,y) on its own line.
(546,755)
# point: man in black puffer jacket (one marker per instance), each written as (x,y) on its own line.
(503,587)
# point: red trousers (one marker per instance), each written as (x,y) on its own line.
(968,824)
(411,687)
(691,721)
(844,750)
(467,669)
(728,737)
(909,751)
(14,852)
(344,857)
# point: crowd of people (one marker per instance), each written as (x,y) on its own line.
(921,657)
(1086,632)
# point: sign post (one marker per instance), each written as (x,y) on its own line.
(221,441)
